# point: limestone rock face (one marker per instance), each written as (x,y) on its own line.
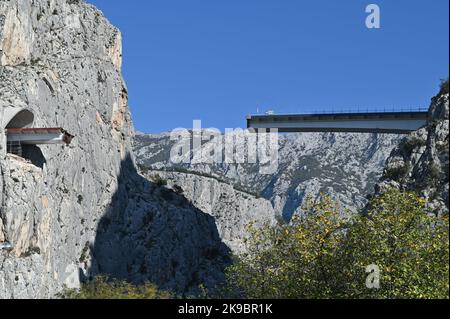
(62,70)
(71,212)
(343,166)
(233,210)
(17,33)
(420,162)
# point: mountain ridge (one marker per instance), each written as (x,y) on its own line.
(305,160)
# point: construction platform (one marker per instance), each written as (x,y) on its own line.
(17,137)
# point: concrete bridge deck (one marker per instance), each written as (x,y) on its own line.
(38,136)
(377,122)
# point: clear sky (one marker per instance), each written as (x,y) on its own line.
(219,60)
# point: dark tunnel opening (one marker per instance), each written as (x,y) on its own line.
(31,153)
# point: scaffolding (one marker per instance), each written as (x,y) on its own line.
(14,147)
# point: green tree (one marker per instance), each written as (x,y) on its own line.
(409,245)
(323,255)
(295,260)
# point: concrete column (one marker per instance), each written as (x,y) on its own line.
(2,135)
(2,158)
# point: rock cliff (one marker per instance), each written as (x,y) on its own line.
(71,212)
(233,210)
(420,161)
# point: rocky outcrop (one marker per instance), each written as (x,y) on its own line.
(343,166)
(233,210)
(151,233)
(71,212)
(420,162)
(53,55)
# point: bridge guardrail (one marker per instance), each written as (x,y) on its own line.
(356,110)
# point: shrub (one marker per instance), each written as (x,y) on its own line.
(321,255)
(434,172)
(31,251)
(444,87)
(158,180)
(142,168)
(397,173)
(413,143)
(84,253)
(102,288)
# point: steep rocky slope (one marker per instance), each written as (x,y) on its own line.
(420,162)
(343,166)
(75,211)
(53,55)
(232,209)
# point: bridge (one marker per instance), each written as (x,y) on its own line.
(350,122)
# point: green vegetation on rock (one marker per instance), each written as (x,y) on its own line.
(444,87)
(323,255)
(102,288)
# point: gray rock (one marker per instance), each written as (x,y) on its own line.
(420,162)
(345,167)
(72,212)
(233,210)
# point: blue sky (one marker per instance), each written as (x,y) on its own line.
(219,60)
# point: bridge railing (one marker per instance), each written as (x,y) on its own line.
(353,110)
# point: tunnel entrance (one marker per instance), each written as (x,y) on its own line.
(19,119)
(24,142)
(22,139)
(16,118)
